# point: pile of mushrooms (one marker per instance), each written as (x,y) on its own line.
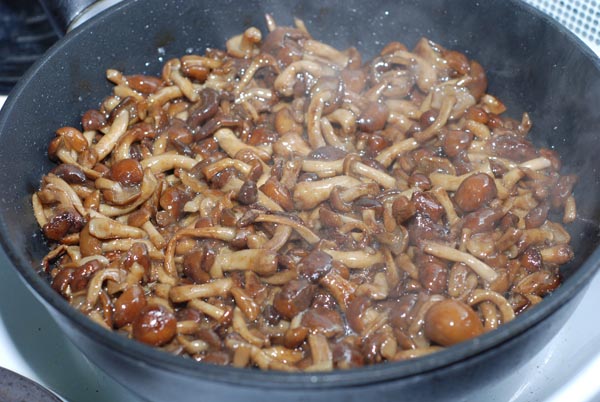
(286,205)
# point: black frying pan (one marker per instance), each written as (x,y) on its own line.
(532,64)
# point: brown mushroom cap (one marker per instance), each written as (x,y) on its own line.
(286,205)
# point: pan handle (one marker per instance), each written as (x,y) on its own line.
(66,14)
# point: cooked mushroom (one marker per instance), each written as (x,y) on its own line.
(286,205)
(166,162)
(104,228)
(309,194)
(451,254)
(216,287)
(284,83)
(259,261)
(108,141)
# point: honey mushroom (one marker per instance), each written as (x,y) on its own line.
(287,205)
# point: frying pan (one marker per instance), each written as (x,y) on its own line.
(532,64)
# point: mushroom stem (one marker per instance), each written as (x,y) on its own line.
(246,303)
(105,228)
(341,289)
(165,162)
(442,196)
(38,210)
(155,237)
(108,141)
(123,148)
(558,254)
(207,308)
(426,74)
(323,168)
(479,295)
(127,244)
(239,325)
(164,95)
(511,178)
(414,353)
(284,83)
(313,118)
(309,194)
(214,168)
(211,232)
(123,91)
(448,182)
(115,193)
(149,184)
(182,82)
(345,118)
(325,51)
(216,287)
(378,176)
(231,144)
(364,189)
(445,110)
(451,254)
(95,285)
(570,211)
(320,353)
(67,157)
(262,262)
(56,183)
(536,164)
(480,130)
(387,156)
(329,135)
(291,144)
(377,290)
(264,60)
(300,228)
(279,238)
(234,184)
(357,259)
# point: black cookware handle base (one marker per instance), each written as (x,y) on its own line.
(63,12)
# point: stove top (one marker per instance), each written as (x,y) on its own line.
(25,34)
(564,370)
